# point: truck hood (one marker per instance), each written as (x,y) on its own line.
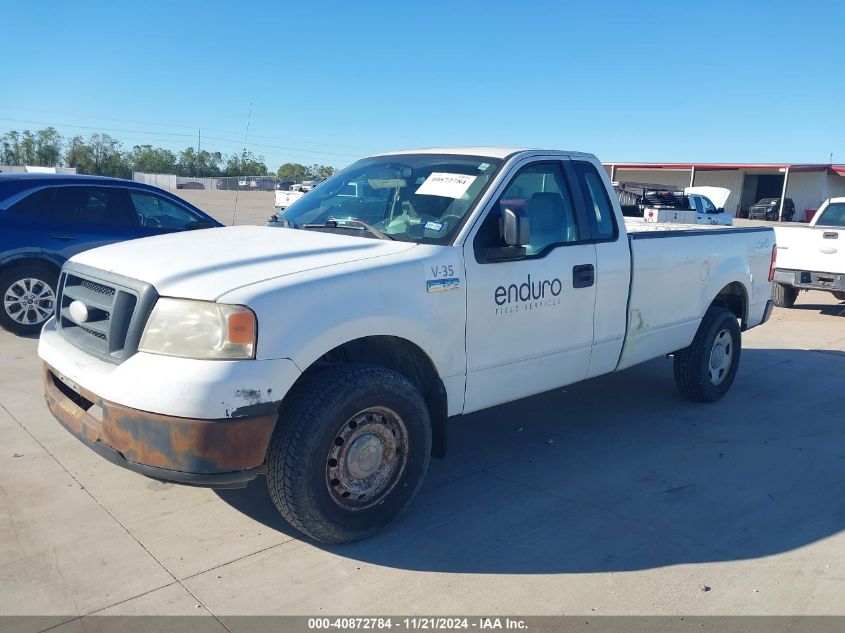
(717,195)
(208,263)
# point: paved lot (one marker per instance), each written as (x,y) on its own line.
(614,496)
(232,207)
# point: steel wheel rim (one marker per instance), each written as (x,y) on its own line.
(721,357)
(366,458)
(29,301)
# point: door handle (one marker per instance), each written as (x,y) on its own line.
(583,276)
(64,237)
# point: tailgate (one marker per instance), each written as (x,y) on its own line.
(819,249)
(287,198)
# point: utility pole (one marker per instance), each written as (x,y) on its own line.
(199,144)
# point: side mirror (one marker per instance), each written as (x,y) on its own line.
(516,227)
(720,210)
(516,230)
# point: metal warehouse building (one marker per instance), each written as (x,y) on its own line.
(807,184)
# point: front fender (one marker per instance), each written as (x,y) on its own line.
(303,317)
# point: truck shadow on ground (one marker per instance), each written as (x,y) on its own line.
(620,473)
(826,309)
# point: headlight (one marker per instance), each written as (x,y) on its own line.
(199,329)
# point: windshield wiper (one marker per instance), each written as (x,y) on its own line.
(357,225)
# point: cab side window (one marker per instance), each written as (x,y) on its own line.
(598,204)
(695,204)
(709,207)
(540,191)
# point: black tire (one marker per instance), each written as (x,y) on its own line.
(784,296)
(839,295)
(35,286)
(311,488)
(694,366)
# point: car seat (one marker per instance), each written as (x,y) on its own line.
(552,221)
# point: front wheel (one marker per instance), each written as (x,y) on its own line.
(349,453)
(839,295)
(29,298)
(706,369)
(784,296)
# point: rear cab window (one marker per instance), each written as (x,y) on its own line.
(834,215)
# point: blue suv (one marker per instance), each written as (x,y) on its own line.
(47,218)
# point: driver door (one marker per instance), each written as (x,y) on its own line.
(530,320)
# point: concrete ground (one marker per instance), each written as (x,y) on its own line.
(613,496)
(232,207)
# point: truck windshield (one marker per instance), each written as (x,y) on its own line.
(406,197)
(834,215)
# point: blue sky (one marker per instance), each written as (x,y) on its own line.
(331,81)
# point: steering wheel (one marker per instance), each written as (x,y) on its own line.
(445,219)
(149,221)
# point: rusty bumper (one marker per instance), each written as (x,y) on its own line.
(216,453)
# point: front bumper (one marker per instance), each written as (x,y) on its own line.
(811,280)
(223,453)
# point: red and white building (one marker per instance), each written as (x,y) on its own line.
(807,184)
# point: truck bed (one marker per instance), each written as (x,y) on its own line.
(674,279)
(636,226)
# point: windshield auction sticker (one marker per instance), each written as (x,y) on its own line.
(446,185)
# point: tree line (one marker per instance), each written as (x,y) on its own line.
(103,155)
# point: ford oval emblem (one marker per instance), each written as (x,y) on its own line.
(78,311)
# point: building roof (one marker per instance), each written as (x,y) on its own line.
(793,167)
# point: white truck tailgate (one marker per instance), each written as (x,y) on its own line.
(818,249)
(283,199)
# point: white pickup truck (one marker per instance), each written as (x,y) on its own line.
(696,205)
(283,198)
(328,355)
(812,257)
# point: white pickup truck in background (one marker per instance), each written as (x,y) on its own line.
(812,257)
(407,289)
(660,203)
(283,198)
(701,205)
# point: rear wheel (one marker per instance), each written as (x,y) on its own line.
(839,295)
(784,296)
(706,369)
(349,452)
(29,298)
